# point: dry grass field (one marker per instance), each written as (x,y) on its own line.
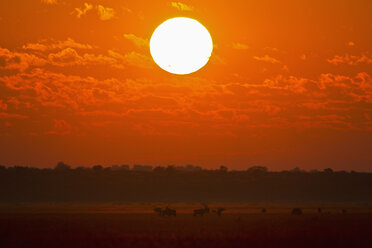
(66,225)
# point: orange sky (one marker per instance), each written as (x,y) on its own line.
(289,84)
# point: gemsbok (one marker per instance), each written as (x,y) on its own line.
(159,211)
(169,212)
(220,210)
(201,211)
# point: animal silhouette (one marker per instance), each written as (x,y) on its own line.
(219,211)
(169,212)
(319,210)
(159,211)
(297,211)
(263,210)
(201,211)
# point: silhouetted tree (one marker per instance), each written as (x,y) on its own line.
(61,166)
(97,168)
(170,168)
(191,167)
(297,170)
(328,171)
(159,169)
(80,168)
(22,184)
(138,167)
(257,169)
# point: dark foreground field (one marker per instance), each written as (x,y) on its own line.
(148,230)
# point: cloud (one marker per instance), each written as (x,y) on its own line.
(197,105)
(3,106)
(60,127)
(83,11)
(40,89)
(178,109)
(133,59)
(67,56)
(127,10)
(12,116)
(46,45)
(138,41)
(182,6)
(272,49)
(267,58)
(70,57)
(70,53)
(350,43)
(240,46)
(351,59)
(49,1)
(105,13)
(18,61)
(140,60)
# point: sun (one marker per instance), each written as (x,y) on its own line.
(181,45)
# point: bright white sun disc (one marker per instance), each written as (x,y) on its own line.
(181,45)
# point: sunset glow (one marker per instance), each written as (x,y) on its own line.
(239,83)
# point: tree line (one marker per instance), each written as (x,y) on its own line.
(180,184)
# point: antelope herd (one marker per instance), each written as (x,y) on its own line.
(201,211)
(197,212)
(218,211)
(165,212)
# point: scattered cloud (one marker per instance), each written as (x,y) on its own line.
(105,13)
(350,43)
(240,46)
(138,41)
(281,101)
(182,6)
(272,49)
(3,106)
(70,57)
(49,1)
(46,45)
(67,56)
(18,61)
(140,60)
(79,12)
(351,59)
(12,116)
(267,58)
(60,127)
(133,59)
(127,10)
(70,53)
